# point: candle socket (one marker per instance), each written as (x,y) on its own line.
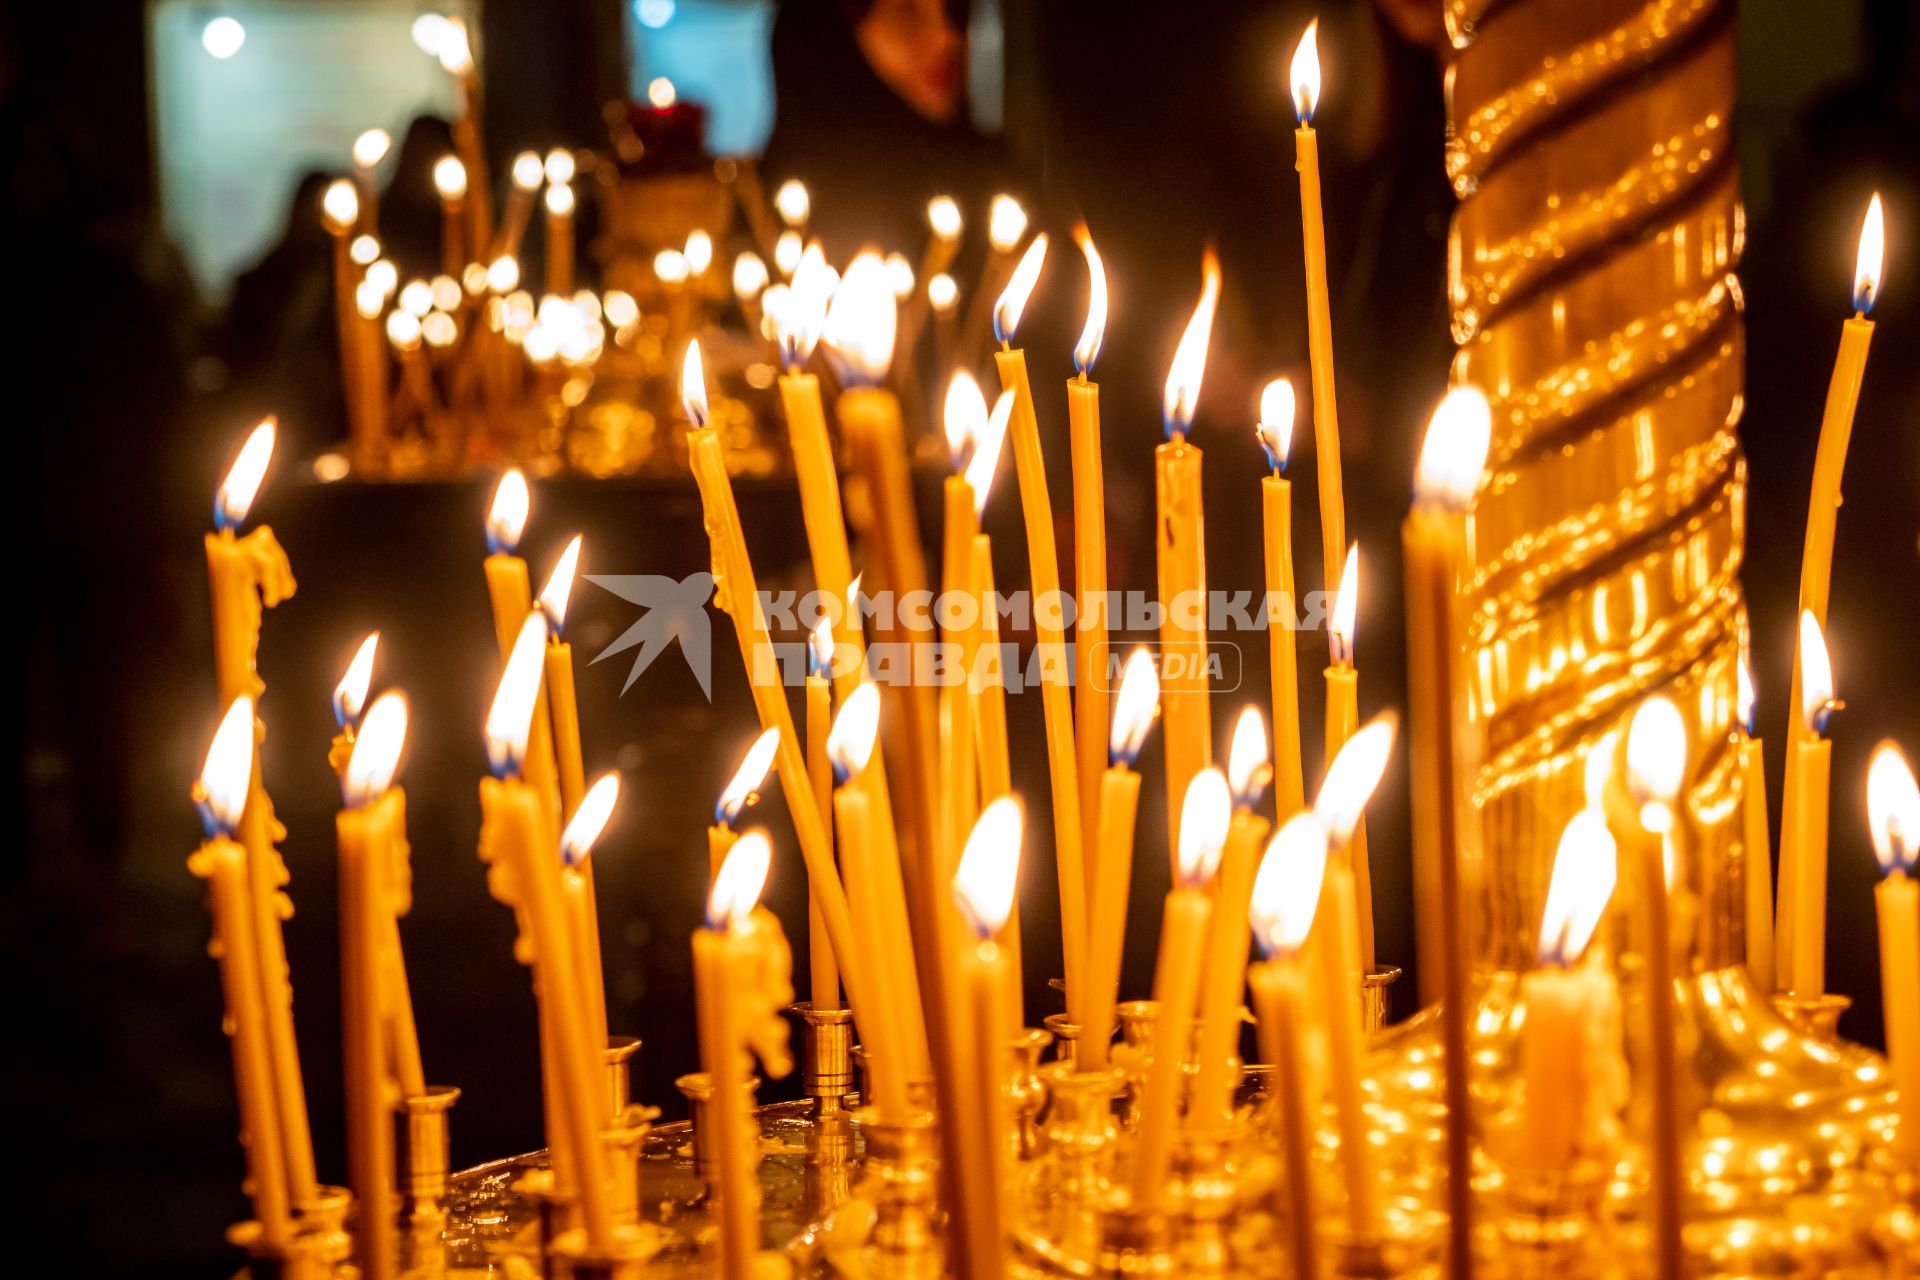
(1386,1256)
(826,1057)
(323,1225)
(553,1213)
(624,1141)
(1133,1240)
(1815,1017)
(1066,1038)
(1080,1131)
(299,1259)
(618,1057)
(697,1088)
(1546,1216)
(1027,1092)
(901,1170)
(1207,1169)
(624,1259)
(828,1179)
(423,1123)
(1136,1018)
(1376,996)
(919,1092)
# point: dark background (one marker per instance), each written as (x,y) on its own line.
(1167,127)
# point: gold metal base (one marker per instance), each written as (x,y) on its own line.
(826,1057)
(1815,1017)
(1376,996)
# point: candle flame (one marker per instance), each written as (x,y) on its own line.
(793,202)
(376,750)
(1656,760)
(1353,777)
(986,454)
(1304,74)
(227,774)
(899,276)
(364,250)
(989,870)
(1343,617)
(787,251)
(861,321)
(670,267)
(561,166)
(736,889)
(943,215)
(510,717)
(503,273)
(802,311)
(1190,357)
(559,200)
(350,695)
(340,205)
(507,516)
(590,819)
(661,94)
(1134,707)
(698,252)
(942,292)
(749,276)
(820,649)
(450,177)
(850,740)
(454,49)
(744,787)
(555,596)
(1012,303)
(403,330)
(1274,431)
(1454,454)
(1584,870)
(1006,223)
(1203,827)
(371,147)
(965,416)
(1247,767)
(1087,350)
(693,386)
(1871,257)
(234,498)
(1744,696)
(1286,890)
(1816,675)
(1893,809)
(528,171)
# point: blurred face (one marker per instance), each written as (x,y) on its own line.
(917,52)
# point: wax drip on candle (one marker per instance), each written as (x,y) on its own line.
(850,740)
(555,596)
(376,751)
(234,498)
(1817,701)
(510,718)
(225,778)
(590,819)
(1087,350)
(1182,392)
(1871,257)
(1893,809)
(1286,890)
(350,695)
(1353,777)
(1135,707)
(736,889)
(1342,618)
(507,516)
(862,321)
(1248,768)
(1274,430)
(1304,74)
(989,870)
(1585,867)
(1012,303)
(744,788)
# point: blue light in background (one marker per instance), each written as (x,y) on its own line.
(653,14)
(715,52)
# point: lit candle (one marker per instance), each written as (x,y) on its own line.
(1755,839)
(524,873)
(369,149)
(349,699)
(965,420)
(369,834)
(1305,77)
(1050,643)
(1006,228)
(793,203)
(1275,434)
(450,180)
(455,52)
(823,987)
(1800,945)
(509,592)
(1224,978)
(1572,1076)
(983,888)
(749,284)
(1091,623)
(221,794)
(563,706)
(1181,543)
(340,214)
(1176,980)
(1342,802)
(1281,910)
(990,715)
(559,202)
(1656,758)
(1342,715)
(527,174)
(741,790)
(576,892)
(1133,714)
(943,242)
(1893,816)
(1836,429)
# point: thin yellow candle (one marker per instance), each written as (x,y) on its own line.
(944,223)
(741,790)
(1043,562)
(1755,838)
(510,593)
(576,889)
(563,706)
(455,51)
(990,715)
(1176,981)
(1836,429)
(1656,762)
(1180,540)
(1006,228)
(526,873)
(527,174)
(1224,978)
(367,831)
(222,793)
(1800,946)
(1091,623)
(1305,78)
(369,149)
(983,888)
(1893,817)
(1275,434)
(1342,715)
(1134,710)
(559,202)
(450,180)
(965,417)
(823,987)
(340,214)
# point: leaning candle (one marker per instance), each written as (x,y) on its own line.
(741,790)
(576,891)
(1091,622)
(450,181)
(1281,911)
(1275,434)
(1224,978)
(1893,816)
(563,706)
(1043,563)
(1836,429)
(823,986)
(1176,981)
(1133,714)
(1757,844)
(1181,541)
(367,829)
(221,862)
(1800,945)
(1305,76)
(1342,715)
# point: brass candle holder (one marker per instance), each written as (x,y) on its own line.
(826,1057)
(902,1183)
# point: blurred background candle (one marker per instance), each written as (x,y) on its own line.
(369,149)
(1223,980)
(527,174)
(1893,817)
(1800,941)
(1755,838)
(1134,710)
(1342,716)
(559,244)
(450,180)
